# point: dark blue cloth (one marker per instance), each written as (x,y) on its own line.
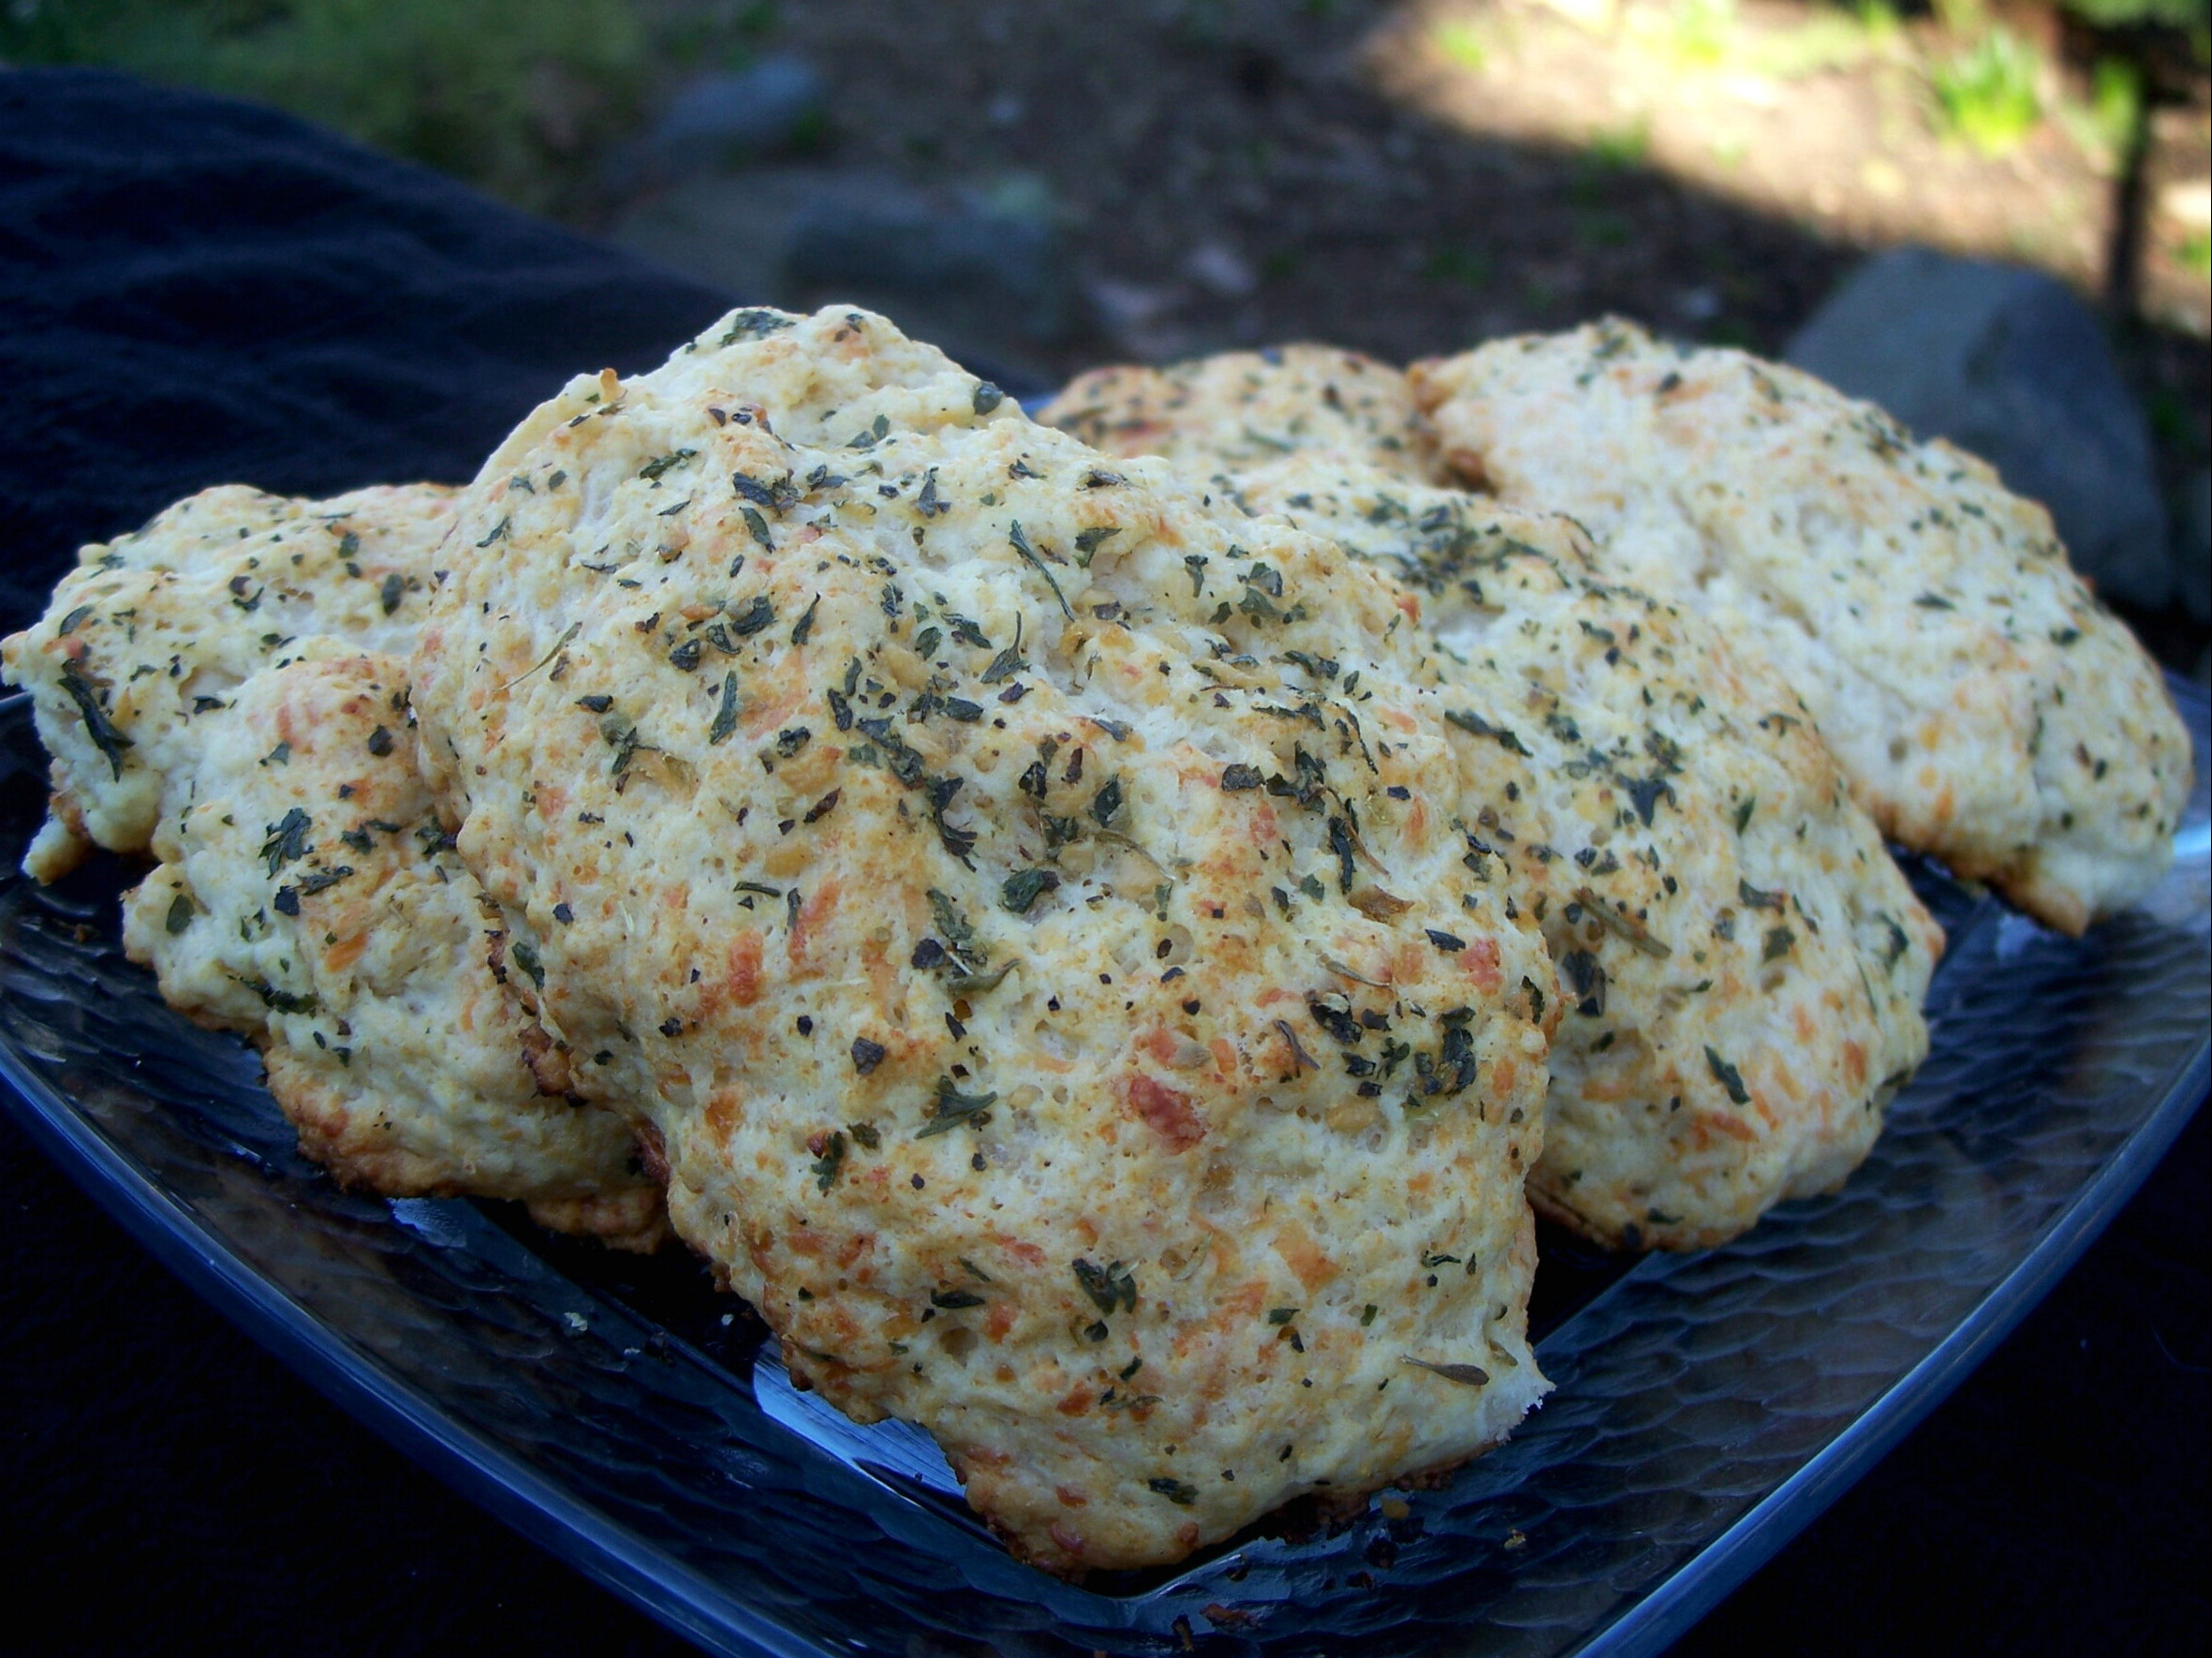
(196,292)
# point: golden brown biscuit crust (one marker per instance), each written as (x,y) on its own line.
(1742,964)
(205,668)
(308,898)
(1247,409)
(1985,708)
(154,630)
(1028,917)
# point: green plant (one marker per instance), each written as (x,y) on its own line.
(1600,228)
(1824,41)
(2102,125)
(725,38)
(1461,42)
(1453,265)
(2116,101)
(1880,19)
(2172,422)
(1619,148)
(1702,32)
(494,91)
(2196,254)
(1987,93)
(2115,14)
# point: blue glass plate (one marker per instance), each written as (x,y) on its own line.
(623,1414)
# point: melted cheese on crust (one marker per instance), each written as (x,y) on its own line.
(1053,997)
(152,632)
(308,898)
(205,668)
(1247,409)
(1742,964)
(1985,708)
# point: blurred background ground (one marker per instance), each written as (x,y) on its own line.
(1047,184)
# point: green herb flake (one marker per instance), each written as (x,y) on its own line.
(1626,927)
(953,1109)
(653,471)
(1466,1375)
(1108,1287)
(755,322)
(1757,899)
(280,1001)
(1476,724)
(1023,888)
(965,983)
(754,617)
(1729,1077)
(1088,542)
(1007,662)
(287,839)
(960,934)
(1106,803)
(805,622)
(726,715)
(829,1162)
(97,726)
(1020,544)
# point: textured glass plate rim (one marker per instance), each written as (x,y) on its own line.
(693,1606)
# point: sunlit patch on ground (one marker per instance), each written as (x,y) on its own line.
(1966,134)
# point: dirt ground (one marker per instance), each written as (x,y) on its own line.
(1229,172)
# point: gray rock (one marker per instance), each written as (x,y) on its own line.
(2192,547)
(730,230)
(983,266)
(720,121)
(981,272)
(2008,364)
